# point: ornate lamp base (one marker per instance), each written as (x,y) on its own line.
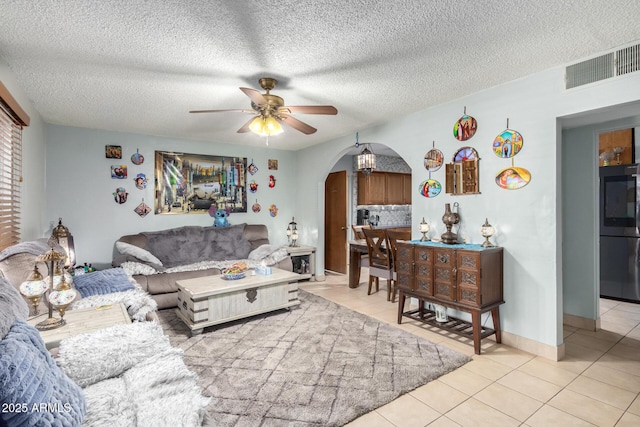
(50,323)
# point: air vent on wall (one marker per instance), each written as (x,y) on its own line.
(612,64)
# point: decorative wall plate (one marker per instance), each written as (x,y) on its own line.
(118,171)
(513,178)
(272,164)
(272,181)
(142,209)
(120,195)
(430,188)
(137,158)
(465,153)
(507,144)
(140,181)
(433,160)
(252,168)
(253,186)
(273,211)
(465,128)
(256,207)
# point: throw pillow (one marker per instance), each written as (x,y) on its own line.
(12,307)
(103,282)
(133,250)
(33,389)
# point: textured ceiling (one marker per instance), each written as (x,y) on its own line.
(140,65)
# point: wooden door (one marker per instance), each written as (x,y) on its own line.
(335,222)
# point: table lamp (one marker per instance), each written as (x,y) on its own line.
(33,288)
(487,231)
(424,228)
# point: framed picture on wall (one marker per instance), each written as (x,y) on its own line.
(272,164)
(113,151)
(192,183)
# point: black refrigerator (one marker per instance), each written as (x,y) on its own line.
(620,232)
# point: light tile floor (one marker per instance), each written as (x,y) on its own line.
(598,382)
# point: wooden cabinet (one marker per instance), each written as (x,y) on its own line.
(620,138)
(384,188)
(466,278)
(371,188)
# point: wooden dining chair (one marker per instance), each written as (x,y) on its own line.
(357,230)
(380,261)
(393,236)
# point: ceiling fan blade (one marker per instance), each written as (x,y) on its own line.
(297,124)
(245,127)
(255,96)
(223,111)
(310,109)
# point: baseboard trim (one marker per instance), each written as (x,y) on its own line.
(550,352)
(581,322)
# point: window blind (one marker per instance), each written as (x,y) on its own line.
(10,176)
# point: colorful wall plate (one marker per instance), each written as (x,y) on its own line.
(113,151)
(273,210)
(137,158)
(141,181)
(433,160)
(465,153)
(430,188)
(252,168)
(272,181)
(465,128)
(120,195)
(118,171)
(256,207)
(507,144)
(513,178)
(142,209)
(253,186)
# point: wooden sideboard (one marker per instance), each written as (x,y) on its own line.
(466,278)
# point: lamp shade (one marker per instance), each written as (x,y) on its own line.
(63,237)
(366,160)
(265,126)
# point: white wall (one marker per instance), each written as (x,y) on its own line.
(528,221)
(80,187)
(33,166)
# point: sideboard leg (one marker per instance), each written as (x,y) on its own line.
(495,316)
(401,299)
(475,321)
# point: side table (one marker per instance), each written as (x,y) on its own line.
(304,261)
(82,321)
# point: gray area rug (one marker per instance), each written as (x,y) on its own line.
(319,364)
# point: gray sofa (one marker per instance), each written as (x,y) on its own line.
(189,245)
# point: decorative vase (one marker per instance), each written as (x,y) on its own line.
(449,218)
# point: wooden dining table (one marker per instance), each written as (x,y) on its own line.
(357,248)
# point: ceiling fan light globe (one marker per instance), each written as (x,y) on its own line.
(272,126)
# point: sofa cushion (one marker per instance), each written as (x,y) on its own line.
(133,250)
(30,379)
(102,282)
(190,244)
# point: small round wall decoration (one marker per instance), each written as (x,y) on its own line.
(256,207)
(513,178)
(507,144)
(272,181)
(430,188)
(433,160)
(120,195)
(137,158)
(465,127)
(273,211)
(141,181)
(253,186)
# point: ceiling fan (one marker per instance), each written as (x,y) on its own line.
(270,111)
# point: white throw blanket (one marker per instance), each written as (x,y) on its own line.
(131,376)
(267,254)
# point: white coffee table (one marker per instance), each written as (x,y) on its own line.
(82,321)
(212,300)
